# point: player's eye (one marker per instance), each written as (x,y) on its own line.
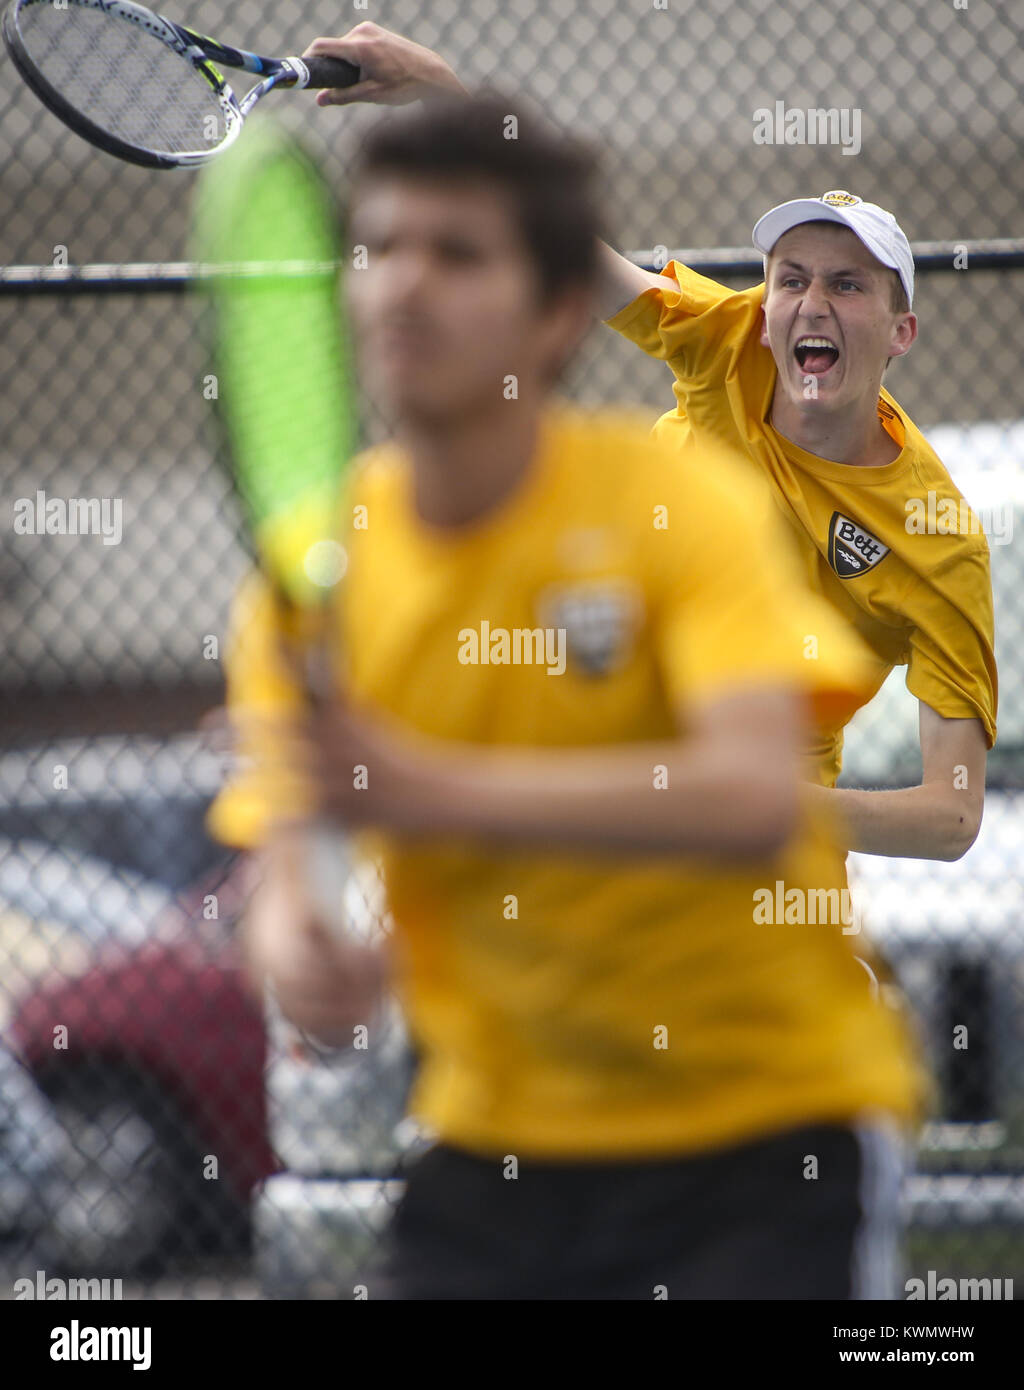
(848,285)
(459,252)
(376,245)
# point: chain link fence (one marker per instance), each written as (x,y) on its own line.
(139,1144)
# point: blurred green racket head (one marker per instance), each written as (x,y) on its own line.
(266,231)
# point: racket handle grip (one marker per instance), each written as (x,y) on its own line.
(331,72)
(328,865)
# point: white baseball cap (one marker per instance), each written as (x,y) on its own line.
(877,229)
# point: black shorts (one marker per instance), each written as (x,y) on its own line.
(811,1213)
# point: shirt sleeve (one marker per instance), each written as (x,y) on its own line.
(952,664)
(259,687)
(685,327)
(738,613)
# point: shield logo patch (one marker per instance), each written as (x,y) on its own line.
(600,619)
(852,549)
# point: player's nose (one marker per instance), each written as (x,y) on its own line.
(408,274)
(815,302)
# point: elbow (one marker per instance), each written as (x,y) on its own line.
(961,833)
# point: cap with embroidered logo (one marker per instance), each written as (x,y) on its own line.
(876,228)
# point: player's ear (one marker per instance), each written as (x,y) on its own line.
(904,331)
(764,324)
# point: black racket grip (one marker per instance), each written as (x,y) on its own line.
(331,72)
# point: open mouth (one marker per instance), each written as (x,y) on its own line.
(816,356)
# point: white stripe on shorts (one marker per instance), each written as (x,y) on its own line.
(876,1269)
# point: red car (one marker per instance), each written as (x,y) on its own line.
(153,1057)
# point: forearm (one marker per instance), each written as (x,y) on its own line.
(925,822)
(619,282)
(657,798)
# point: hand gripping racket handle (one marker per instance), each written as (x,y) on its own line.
(329,72)
(328,863)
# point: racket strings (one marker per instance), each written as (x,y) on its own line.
(123,79)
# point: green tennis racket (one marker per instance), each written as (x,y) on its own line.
(266,233)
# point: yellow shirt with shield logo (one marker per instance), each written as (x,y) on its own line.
(919,599)
(573,1004)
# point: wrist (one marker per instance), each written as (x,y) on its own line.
(442,84)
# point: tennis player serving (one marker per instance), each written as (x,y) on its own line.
(790,372)
(570,729)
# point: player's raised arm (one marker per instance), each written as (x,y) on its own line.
(620,281)
(395,71)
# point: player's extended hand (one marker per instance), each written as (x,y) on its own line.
(393,70)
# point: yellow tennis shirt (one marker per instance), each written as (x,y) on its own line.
(573,1005)
(917,599)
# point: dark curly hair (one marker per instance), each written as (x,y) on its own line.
(494,139)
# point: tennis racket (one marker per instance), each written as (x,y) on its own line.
(266,229)
(142,87)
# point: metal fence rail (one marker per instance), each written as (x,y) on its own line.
(997,253)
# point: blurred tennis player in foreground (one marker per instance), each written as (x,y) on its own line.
(571,718)
(789,373)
